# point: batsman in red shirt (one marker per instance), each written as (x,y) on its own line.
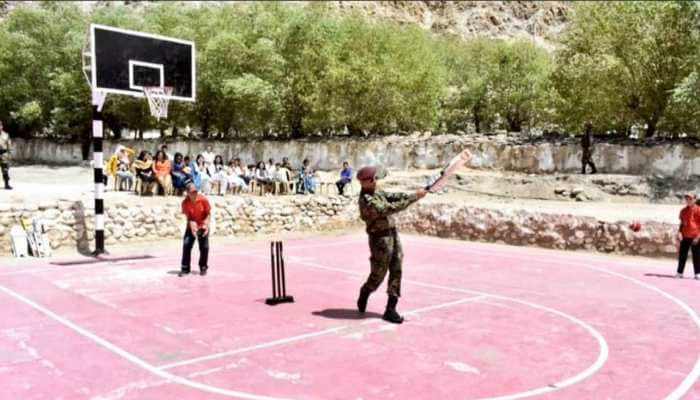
(198,212)
(689,235)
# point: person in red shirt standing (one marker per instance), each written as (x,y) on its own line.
(198,211)
(689,235)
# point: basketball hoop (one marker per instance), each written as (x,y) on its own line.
(158,100)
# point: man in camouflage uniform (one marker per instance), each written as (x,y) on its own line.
(5,147)
(376,209)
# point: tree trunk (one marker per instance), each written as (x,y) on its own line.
(354,131)
(296,125)
(85,144)
(514,124)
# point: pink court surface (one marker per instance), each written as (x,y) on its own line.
(483,321)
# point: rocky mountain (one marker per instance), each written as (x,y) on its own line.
(533,20)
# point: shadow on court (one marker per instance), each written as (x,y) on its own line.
(345,313)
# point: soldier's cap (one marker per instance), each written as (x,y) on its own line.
(370,172)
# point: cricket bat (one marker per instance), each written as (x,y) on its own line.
(450,169)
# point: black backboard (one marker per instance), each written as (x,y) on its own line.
(124,61)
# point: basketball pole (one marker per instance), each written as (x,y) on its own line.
(98,99)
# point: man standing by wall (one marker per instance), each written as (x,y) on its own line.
(587,145)
(5,154)
(198,212)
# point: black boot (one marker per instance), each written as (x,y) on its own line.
(390,313)
(7,185)
(362,300)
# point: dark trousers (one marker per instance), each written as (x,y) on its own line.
(687,244)
(341,185)
(585,161)
(5,167)
(188,243)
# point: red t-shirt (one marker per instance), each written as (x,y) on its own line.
(197,210)
(690,221)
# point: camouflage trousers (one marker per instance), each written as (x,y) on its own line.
(385,255)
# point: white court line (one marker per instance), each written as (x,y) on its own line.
(132,358)
(292,339)
(694,374)
(253,348)
(212,389)
(592,369)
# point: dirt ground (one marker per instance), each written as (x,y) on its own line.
(606,197)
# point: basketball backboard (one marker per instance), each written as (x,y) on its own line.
(124,62)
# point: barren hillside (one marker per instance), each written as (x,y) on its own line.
(534,20)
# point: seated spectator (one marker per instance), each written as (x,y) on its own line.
(250,172)
(282,176)
(164,149)
(345,178)
(286,164)
(178,173)
(144,171)
(235,182)
(307,182)
(242,173)
(262,176)
(203,173)
(271,167)
(219,178)
(162,168)
(124,167)
(191,171)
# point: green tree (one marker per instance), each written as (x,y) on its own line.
(470,68)
(40,71)
(519,83)
(382,77)
(621,61)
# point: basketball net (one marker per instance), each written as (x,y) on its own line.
(158,100)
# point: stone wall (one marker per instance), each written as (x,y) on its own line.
(70,224)
(565,232)
(406,152)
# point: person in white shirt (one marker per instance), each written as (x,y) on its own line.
(271,167)
(200,165)
(218,176)
(240,172)
(283,176)
(234,180)
(209,156)
(263,177)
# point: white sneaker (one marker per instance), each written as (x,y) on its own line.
(697,277)
(679,276)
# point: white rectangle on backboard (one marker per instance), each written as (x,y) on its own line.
(134,63)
